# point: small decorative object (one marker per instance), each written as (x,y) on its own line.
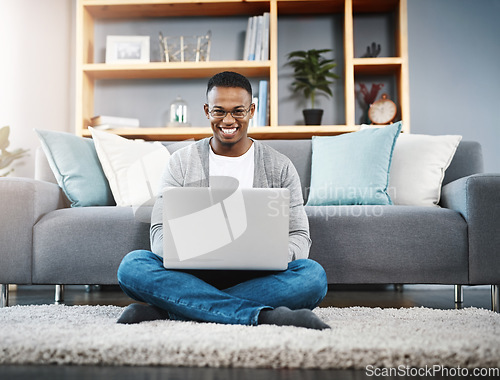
(368,98)
(382,111)
(6,157)
(185,48)
(312,73)
(372,51)
(127,49)
(178,113)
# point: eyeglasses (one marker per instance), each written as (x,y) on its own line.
(238,113)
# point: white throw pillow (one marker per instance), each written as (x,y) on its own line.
(133,167)
(418,166)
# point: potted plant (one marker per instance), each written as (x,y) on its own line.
(312,74)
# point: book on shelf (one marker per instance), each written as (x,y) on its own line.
(248,52)
(113,122)
(253,121)
(257,38)
(261,101)
(265,38)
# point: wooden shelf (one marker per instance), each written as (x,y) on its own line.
(133,9)
(300,7)
(175,69)
(377,65)
(371,6)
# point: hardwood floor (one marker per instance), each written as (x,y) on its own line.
(434,296)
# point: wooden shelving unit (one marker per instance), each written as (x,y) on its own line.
(174,69)
(88,71)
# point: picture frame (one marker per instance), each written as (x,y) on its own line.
(127,49)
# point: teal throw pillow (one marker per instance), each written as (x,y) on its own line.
(353,168)
(77,168)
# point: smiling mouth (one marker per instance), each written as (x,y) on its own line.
(228,131)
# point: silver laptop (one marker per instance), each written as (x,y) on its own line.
(225,228)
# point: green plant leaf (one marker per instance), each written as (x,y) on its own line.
(312,72)
(297,53)
(321,51)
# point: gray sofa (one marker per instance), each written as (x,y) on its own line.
(43,241)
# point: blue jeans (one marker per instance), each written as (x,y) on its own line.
(231,297)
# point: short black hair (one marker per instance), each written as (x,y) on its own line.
(229,79)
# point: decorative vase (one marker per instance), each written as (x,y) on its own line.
(312,116)
(178,113)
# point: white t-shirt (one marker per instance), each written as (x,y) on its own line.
(241,167)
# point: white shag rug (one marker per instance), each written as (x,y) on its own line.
(89,335)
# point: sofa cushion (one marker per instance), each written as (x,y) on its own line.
(77,169)
(353,168)
(418,166)
(85,245)
(468,159)
(299,152)
(389,244)
(132,167)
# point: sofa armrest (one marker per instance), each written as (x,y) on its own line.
(22,202)
(477,199)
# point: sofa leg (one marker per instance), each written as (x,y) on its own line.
(59,296)
(495,298)
(459,294)
(4,295)
(398,288)
(91,288)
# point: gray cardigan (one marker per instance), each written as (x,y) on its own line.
(189,167)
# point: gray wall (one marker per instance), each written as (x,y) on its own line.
(454,54)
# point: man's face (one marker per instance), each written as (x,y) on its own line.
(229,131)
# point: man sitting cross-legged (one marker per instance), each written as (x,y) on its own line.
(233,297)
